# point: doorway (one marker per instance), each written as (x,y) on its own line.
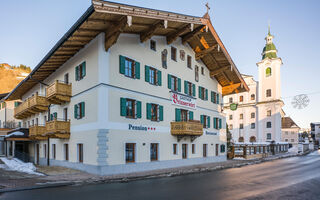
(217,149)
(184,151)
(37,154)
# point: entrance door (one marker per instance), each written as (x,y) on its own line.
(37,153)
(184,151)
(204,150)
(217,149)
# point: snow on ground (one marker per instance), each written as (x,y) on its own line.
(17,165)
(293,150)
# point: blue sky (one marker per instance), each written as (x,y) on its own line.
(29,29)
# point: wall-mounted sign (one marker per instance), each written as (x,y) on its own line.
(140,128)
(233,106)
(211,133)
(181,100)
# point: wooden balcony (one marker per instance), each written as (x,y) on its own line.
(58,129)
(38,104)
(21,111)
(58,92)
(36,132)
(189,128)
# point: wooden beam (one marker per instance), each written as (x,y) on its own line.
(203,53)
(63,54)
(230,88)
(218,71)
(73,46)
(193,33)
(150,32)
(173,36)
(88,30)
(226,77)
(113,33)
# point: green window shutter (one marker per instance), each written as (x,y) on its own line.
(220,123)
(178,115)
(208,121)
(185,87)
(161,113)
(137,70)
(148,110)
(82,109)
(217,100)
(179,85)
(77,73)
(214,123)
(169,81)
(76,111)
(206,97)
(138,109)
(193,90)
(190,115)
(212,95)
(51,117)
(55,115)
(201,119)
(159,78)
(147,73)
(83,72)
(123,106)
(122,64)
(199,88)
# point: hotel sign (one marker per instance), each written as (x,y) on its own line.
(233,106)
(181,100)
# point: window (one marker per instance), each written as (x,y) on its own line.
(53,116)
(253,125)
(66,78)
(268,92)
(202,70)
(79,110)
(230,117)
(184,151)
(268,72)
(189,62)
(286,140)
(215,97)
(164,54)
(230,100)
(230,127)
(253,115)
(269,113)
(80,152)
(80,71)
(241,126)
(152,75)
(222,148)
(253,97)
(268,136)
(193,148)
(217,123)
(130,108)
(204,150)
(154,112)
(54,151)
(129,67)
(196,72)
(174,83)
(292,140)
(66,151)
(241,98)
(130,152)
(175,149)
(45,150)
(174,53)
(241,116)
(205,121)
(37,121)
(65,114)
(153,45)
(183,115)
(203,93)
(241,139)
(153,151)
(189,88)
(268,124)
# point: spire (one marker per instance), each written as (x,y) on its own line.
(206,15)
(269,51)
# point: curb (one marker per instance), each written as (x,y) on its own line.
(49,185)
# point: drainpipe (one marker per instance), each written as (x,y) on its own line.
(48,143)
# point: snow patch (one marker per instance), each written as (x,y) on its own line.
(17,165)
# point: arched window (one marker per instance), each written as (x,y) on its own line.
(241,98)
(241,139)
(253,97)
(252,139)
(268,72)
(268,136)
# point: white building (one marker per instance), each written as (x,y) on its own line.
(129,89)
(255,116)
(315,130)
(290,131)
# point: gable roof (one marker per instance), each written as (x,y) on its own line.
(287,122)
(115,18)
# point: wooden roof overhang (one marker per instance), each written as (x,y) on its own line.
(114,19)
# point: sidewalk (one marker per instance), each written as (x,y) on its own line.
(60,176)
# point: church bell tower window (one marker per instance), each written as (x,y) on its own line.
(268,72)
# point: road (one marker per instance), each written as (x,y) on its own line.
(290,178)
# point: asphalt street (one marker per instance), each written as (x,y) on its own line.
(290,178)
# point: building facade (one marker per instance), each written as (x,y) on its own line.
(7,119)
(290,131)
(315,131)
(255,116)
(141,101)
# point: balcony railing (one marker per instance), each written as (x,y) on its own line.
(32,105)
(58,129)
(36,132)
(59,92)
(191,128)
(21,111)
